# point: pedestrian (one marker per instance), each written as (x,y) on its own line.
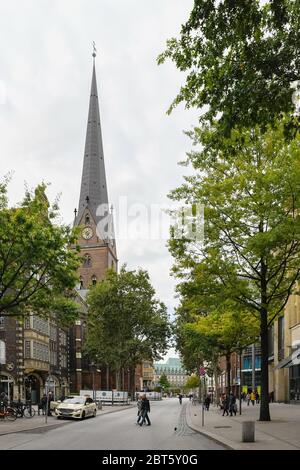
(207,402)
(225,405)
(232,404)
(257,397)
(139,412)
(42,405)
(252,398)
(180,398)
(4,399)
(50,399)
(145,409)
(248,398)
(272,397)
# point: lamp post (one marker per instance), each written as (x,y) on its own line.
(93,366)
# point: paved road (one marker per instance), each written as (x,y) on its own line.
(118,431)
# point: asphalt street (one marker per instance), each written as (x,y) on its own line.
(117,430)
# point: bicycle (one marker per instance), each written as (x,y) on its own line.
(23,409)
(7,412)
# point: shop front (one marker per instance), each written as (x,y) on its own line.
(7,384)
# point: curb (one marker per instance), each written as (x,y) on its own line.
(214,437)
(58,425)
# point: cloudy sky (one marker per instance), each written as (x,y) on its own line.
(45,75)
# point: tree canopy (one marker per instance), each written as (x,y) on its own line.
(126,323)
(163,382)
(250,187)
(38,268)
(240,58)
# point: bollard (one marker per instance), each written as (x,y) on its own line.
(99,405)
(248,431)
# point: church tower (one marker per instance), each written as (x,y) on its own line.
(96,240)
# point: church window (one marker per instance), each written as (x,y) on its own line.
(87,219)
(87,261)
(94,280)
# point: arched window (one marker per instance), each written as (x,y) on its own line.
(2,352)
(87,219)
(94,280)
(87,261)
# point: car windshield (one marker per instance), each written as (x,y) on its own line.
(75,400)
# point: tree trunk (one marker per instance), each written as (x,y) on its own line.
(118,379)
(264,399)
(132,383)
(228,372)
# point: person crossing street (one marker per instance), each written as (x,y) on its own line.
(145,409)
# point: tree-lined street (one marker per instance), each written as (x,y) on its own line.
(118,430)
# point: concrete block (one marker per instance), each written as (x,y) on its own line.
(248,431)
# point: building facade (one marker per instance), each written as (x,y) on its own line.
(147,376)
(174,371)
(284,354)
(245,371)
(34,358)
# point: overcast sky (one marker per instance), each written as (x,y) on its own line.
(45,76)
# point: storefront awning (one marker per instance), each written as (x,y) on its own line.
(292,360)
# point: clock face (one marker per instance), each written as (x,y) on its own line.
(87,233)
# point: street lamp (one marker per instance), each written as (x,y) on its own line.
(92,366)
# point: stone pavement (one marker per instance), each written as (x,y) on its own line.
(282,433)
(38,422)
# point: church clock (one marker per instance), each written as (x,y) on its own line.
(87,233)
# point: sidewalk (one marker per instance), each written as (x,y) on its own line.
(282,433)
(38,422)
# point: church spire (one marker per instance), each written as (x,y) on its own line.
(93,191)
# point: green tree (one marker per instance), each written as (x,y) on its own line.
(126,323)
(251,252)
(192,382)
(240,59)
(38,268)
(220,334)
(163,382)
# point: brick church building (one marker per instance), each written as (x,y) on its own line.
(97,248)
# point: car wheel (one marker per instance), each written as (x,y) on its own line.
(83,415)
(57,417)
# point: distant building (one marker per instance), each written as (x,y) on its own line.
(147,376)
(174,370)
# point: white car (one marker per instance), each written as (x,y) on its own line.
(76,407)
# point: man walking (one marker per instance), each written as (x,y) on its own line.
(232,404)
(225,404)
(145,409)
(207,402)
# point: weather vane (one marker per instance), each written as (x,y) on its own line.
(94,50)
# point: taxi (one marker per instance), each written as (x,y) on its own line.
(76,407)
